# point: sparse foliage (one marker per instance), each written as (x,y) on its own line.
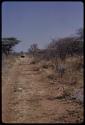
(33,49)
(68,46)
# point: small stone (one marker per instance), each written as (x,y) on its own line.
(20,89)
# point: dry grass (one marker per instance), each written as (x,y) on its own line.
(40,91)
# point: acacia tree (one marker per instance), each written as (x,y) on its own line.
(68,45)
(8,44)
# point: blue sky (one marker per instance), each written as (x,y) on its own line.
(39,22)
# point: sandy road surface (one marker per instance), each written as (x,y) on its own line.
(26,98)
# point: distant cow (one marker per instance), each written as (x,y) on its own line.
(22,56)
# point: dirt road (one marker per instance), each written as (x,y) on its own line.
(28,98)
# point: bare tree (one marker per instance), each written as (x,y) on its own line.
(33,49)
(68,45)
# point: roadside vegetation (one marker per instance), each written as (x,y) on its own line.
(60,64)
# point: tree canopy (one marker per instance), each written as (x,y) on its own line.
(8,44)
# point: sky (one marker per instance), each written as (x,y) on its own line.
(40,22)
